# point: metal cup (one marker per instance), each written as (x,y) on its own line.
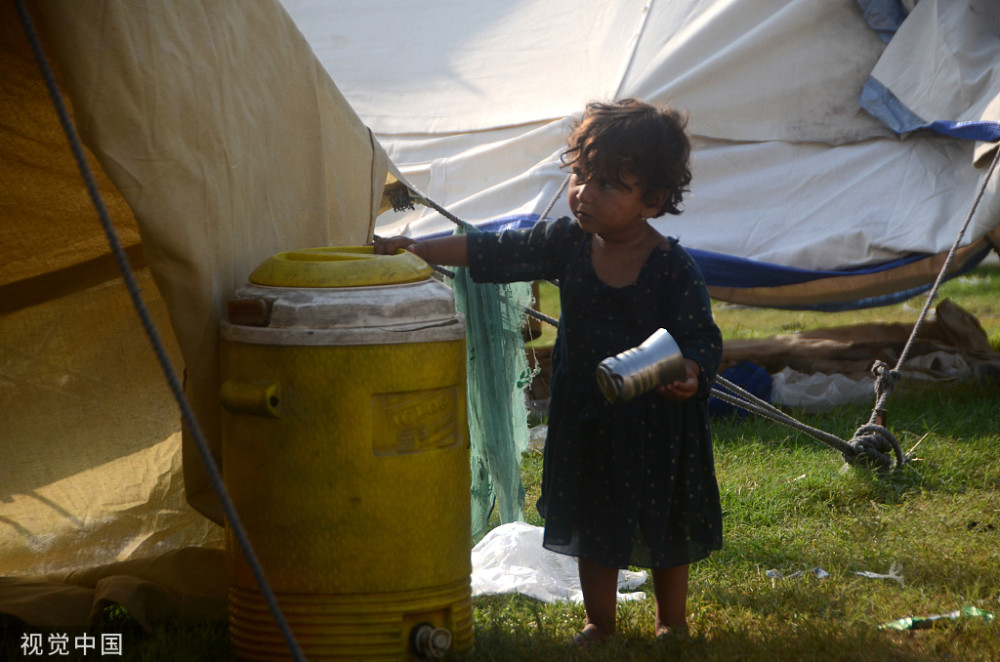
(658,360)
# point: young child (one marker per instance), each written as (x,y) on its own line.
(631,483)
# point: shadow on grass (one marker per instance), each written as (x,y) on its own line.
(950,428)
(715,642)
(805,644)
(795,624)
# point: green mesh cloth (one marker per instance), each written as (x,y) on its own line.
(498,373)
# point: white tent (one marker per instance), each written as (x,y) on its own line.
(801,196)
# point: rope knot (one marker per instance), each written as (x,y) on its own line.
(885,378)
(873,446)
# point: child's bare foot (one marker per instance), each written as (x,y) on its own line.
(676,632)
(589,636)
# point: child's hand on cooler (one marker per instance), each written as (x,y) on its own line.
(682,389)
(390,245)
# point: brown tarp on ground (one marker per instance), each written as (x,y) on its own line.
(851,350)
(218,140)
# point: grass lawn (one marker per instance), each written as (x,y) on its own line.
(791,505)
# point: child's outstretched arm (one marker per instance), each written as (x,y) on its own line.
(450,251)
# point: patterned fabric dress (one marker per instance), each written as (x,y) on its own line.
(630,483)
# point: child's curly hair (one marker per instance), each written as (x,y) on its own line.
(635,137)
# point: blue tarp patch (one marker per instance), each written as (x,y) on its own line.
(883,16)
(729,271)
(885,106)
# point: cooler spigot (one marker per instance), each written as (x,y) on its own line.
(429,641)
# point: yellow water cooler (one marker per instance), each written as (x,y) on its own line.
(346,455)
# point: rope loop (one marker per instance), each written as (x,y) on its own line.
(871,447)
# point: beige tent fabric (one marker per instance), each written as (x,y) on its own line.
(90,435)
(217,140)
(91,439)
(230,143)
(51,243)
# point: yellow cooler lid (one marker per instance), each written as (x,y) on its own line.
(340,266)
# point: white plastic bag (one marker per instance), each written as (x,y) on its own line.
(511,559)
(818,391)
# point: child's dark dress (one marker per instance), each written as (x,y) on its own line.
(630,483)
